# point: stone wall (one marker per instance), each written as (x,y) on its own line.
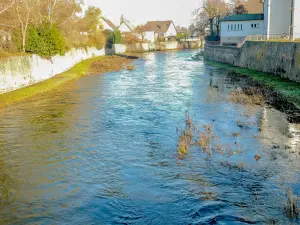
(22,71)
(280,58)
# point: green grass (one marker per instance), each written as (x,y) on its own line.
(288,89)
(75,72)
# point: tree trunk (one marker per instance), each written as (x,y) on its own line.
(211,24)
(218,26)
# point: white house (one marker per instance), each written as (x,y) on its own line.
(160,29)
(236,27)
(125,27)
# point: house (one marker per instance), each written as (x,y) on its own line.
(125,27)
(155,30)
(282,18)
(235,28)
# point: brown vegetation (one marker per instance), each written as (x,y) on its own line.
(109,64)
(250,96)
(207,140)
(21,22)
(291,207)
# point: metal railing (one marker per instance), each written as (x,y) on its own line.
(274,37)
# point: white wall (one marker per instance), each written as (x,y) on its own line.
(150,36)
(21,71)
(119,48)
(277,16)
(171,31)
(297,19)
(145,47)
(124,28)
(234,36)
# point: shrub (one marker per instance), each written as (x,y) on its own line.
(97,39)
(112,38)
(45,40)
(131,39)
(118,37)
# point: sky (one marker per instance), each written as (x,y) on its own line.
(141,11)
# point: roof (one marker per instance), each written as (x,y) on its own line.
(158,26)
(127,23)
(244,17)
(109,23)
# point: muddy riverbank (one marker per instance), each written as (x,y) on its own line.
(279,92)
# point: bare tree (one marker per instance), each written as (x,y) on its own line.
(24,10)
(246,6)
(4,7)
(140,30)
(211,12)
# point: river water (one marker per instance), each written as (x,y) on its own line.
(102,150)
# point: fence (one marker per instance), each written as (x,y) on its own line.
(274,37)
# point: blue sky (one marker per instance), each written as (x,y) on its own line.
(140,11)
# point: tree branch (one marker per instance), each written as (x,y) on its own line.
(6,8)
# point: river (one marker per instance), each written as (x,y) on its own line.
(103,150)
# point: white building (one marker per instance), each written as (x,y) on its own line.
(236,27)
(282,17)
(160,29)
(125,27)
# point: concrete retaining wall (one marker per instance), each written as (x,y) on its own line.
(280,58)
(22,71)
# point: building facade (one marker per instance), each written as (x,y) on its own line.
(236,27)
(280,20)
(164,30)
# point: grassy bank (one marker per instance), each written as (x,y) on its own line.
(108,63)
(288,89)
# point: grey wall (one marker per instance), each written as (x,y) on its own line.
(280,58)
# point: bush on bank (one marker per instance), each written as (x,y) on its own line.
(45,40)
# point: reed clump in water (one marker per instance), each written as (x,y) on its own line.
(130,67)
(250,96)
(292,205)
(206,139)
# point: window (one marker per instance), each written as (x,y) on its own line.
(252,25)
(238,26)
(231,27)
(241,26)
(234,26)
(228,26)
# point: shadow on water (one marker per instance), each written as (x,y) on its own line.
(102,150)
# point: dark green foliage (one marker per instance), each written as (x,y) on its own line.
(45,40)
(112,38)
(118,37)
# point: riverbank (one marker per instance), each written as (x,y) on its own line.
(280,92)
(97,65)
